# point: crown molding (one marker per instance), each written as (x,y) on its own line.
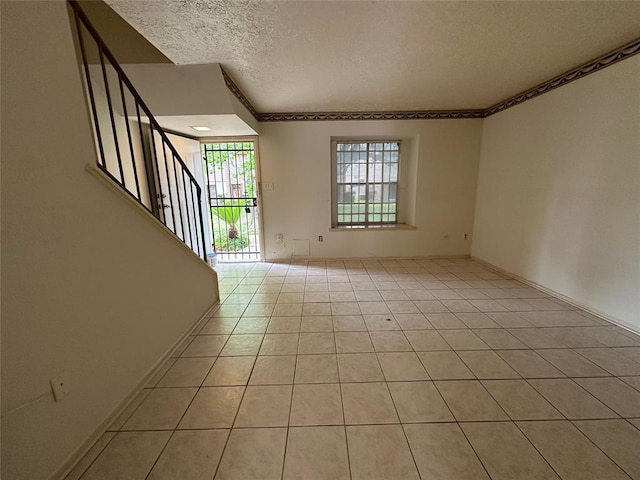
(399,115)
(610,58)
(621,53)
(231,85)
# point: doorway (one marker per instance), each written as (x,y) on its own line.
(232,186)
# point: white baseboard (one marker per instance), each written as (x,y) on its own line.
(571,301)
(68,465)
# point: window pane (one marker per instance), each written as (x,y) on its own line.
(366,182)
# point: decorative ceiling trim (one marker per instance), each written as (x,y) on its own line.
(231,85)
(621,53)
(606,60)
(400,115)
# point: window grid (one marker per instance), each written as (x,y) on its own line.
(366,183)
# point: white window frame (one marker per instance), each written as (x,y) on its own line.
(334,184)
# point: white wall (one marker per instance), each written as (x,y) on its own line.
(90,286)
(558,198)
(296,157)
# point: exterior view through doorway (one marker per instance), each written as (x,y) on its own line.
(232,187)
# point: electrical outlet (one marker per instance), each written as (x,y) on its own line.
(320,239)
(279,237)
(60,387)
(267,186)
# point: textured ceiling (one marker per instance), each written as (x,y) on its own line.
(310,56)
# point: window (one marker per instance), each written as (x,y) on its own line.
(365,183)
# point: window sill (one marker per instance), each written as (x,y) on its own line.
(362,228)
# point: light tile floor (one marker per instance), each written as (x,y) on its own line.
(394,369)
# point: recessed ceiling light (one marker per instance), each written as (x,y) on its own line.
(202,129)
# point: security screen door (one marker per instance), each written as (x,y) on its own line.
(233,199)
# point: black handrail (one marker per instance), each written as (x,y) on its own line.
(152,171)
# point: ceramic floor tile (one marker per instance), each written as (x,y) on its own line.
(252,325)
(349,323)
(459,306)
(536,338)
(353,342)
(402,366)
(129,456)
(253,454)
(610,360)
(633,381)
(570,399)
(412,321)
(265,406)
(161,410)
(316,404)
(205,346)
(380,452)
(418,402)
(477,320)
(428,340)
(288,297)
(617,439)
(508,319)
(273,370)
(218,326)
(399,306)
(345,308)
(441,451)
(430,306)
(506,453)
(316,323)
(367,403)
(230,371)
(284,324)
(529,364)
(316,309)
(469,401)
(280,344)
(571,363)
(359,367)
(371,308)
(316,297)
(610,337)
(444,321)
(614,393)
(520,400)
(499,339)
(445,366)
(487,365)
(569,452)
(390,342)
(242,345)
(259,310)
(187,372)
(316,369)
(316,453)
(87,460)
(631,352)
(190,455)
(381,322)
(212,407)
(316,343)
(463,340)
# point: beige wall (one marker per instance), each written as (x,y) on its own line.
(440,160)
(559,191)
(91,287)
